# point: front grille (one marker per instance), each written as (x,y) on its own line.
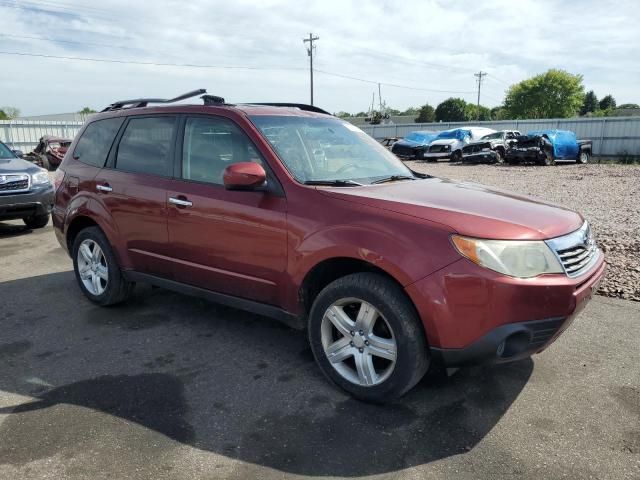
(402,151)
(576,251)
(14,183)
(439,148)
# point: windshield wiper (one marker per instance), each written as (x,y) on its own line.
(334,183)
(393,178)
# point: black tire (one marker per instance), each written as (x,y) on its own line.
(36,221)
(583,157)
(456,156)
(499,156)
(412,359)
(118,289)
(548,159)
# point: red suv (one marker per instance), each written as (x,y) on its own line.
(292,213)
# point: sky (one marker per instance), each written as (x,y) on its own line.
(421,51)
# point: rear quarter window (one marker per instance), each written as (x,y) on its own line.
(96,140)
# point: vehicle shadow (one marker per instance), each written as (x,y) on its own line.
(219,380)
(8,230)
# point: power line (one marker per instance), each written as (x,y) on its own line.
(156,64)
(389,84)
(311,39)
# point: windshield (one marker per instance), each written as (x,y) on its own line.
(420,137)
(457,134)
(492,136)
(5,152)
(328,149)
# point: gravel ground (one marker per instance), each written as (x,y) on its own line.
(608,196)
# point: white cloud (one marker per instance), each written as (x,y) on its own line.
(390,42)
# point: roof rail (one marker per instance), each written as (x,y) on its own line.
(301,106)
(142,102)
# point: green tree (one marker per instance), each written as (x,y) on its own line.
(87,111)
(629,105)
(411,112)
(426,114)
(471,112)
(451,110)
(343,114)
(607,103)
(393,111)
(9,113)
(590,103)
(499,113)
(553,94)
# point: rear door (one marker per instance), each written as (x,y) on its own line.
(133,188)
(232,242)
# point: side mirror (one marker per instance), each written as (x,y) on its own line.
(18,153)
(244,176)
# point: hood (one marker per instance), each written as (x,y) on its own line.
(494,141)
(444,141)
(467,208)
(407,143)
(17,165)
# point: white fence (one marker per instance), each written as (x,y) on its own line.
(611,136)
(24,134)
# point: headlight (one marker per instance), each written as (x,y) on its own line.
(516,258)
(40,178)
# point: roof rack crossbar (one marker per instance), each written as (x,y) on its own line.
(143,102)
(301,106)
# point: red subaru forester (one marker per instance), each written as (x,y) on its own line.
(289,212)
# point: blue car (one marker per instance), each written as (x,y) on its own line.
(546,147)
(413,145)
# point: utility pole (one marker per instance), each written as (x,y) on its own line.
(479,75)
(311,39)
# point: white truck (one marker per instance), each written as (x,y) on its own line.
(449,143)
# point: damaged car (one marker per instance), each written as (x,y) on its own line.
(49,152)
(546,147)
(449,143)
(414,145)
(490,148)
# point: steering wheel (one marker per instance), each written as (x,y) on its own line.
(346,167)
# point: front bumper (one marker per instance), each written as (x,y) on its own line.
(38,201)
(436,155)
(473,316)
(525,155)
(480,157)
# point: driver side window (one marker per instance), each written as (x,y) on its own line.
(210,145)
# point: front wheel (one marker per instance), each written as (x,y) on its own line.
(499,156)
(456,156)
(367,338)
(97,270)
(583,157)
(36,221)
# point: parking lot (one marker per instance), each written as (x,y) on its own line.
(167,386)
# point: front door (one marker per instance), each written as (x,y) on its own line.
(231,242)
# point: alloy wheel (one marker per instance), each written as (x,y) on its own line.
(358,342)
(92,267)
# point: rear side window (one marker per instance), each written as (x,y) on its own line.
(96,140)
(146,146)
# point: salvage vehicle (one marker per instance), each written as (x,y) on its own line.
(546,147)
(227,202)
(413,145)
(449,143)
(490,148)
(25,190)
(388,142)
(49,152)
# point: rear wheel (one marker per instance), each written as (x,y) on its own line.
(367,337)
(36,221)
(97,270)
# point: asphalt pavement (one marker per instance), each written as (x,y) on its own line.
(168,386)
